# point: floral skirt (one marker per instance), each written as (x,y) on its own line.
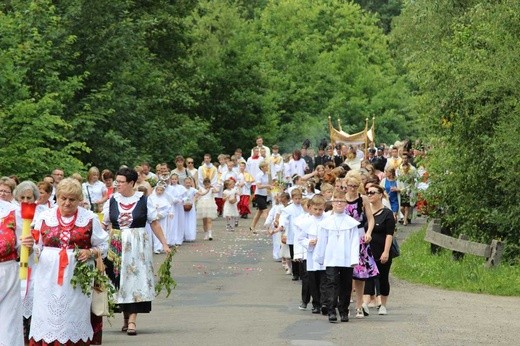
(367,267)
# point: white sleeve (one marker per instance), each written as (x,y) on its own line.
(321,246)
(99,237)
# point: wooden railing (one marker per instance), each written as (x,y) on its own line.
(492,252)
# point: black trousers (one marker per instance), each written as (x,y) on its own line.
(306,287)
(338,288)
(372,287)
(384,277)
(295,265)
(316,281)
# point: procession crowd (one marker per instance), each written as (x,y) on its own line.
(332,219)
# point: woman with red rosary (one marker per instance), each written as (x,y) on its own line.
(130,253)
(67,235)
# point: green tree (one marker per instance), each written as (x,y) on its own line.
(35,87)
(225,53)
(386,10)
(462,59)
(138,98)
(330,58)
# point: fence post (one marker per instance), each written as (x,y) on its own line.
(497,249)
(436,227)
(458,256)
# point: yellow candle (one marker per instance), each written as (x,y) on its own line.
(27,210)
(24,251)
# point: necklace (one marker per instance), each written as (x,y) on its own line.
(66,226)
(126,207)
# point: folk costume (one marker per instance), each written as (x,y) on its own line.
(11,330)
(130,259)
(244,182)
(61,313)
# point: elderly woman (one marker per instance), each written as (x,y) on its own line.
(94,190)
(7,186)
(27,192)
(130,257)
(11,331)
(68,235)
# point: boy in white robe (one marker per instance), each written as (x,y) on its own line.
(338,249)
(287,218)
(307,239)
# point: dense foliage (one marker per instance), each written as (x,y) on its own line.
(108,83)
(116,82)
(462,58)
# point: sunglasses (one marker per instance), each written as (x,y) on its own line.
(371,193)
(189,163)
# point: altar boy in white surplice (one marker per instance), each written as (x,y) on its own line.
(337,249)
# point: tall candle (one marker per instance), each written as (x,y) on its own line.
(27,217)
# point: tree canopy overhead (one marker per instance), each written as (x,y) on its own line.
(109,83)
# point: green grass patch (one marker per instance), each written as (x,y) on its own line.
(416,264)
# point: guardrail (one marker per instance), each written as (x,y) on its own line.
(492,252)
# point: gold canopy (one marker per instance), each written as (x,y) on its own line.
(338,136)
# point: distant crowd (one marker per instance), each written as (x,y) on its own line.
(331,216)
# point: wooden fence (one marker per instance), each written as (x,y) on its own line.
(492,252)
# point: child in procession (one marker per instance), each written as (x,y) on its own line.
(287,218)
(308,238)
(206,207)
(230,196)
(338,250)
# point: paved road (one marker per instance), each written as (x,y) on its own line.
(231,292)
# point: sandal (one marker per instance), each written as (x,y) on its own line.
(125,325)
(131,331)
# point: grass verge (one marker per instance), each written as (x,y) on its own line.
(416,264)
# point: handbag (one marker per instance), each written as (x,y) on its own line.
(187,207)
(395,251)
(99,305)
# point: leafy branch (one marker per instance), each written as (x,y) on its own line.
(166,280)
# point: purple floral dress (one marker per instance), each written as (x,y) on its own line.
(367,267)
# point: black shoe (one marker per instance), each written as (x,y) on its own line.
(333,317)
(315,310)
(295,278)
(324,310)
(344,317)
